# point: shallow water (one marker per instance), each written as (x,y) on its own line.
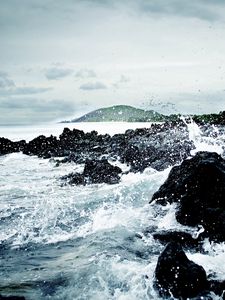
(93,242)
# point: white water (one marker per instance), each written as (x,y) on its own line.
(63,242)
(211,143)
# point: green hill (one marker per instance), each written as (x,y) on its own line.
(121,113)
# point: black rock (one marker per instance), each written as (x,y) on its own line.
(7,146)
(159,146)
(42,146)
(12,297)
(183,238)
(139,159)
(74,179)
(218,287)
(175,274)
(198,185)
(99,171)
(95,171)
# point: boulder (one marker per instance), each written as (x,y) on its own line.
(95,171)
(183,238)
(74,179)
(11,297)
(7,146)
(218,287)
(139,159)
(175,274)
(158,147)
(101,171)
(198,185)
(42,146)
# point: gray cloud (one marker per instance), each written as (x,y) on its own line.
(89,86)
(22,91)
(56,73)
(164,46)
(123,79)
(201,102)
(85,73)
(200,9)
(28,110)
(5,81)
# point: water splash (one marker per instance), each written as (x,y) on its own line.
(94,236)
(205,139)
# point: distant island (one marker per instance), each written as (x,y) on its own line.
(126,113)
(123,113)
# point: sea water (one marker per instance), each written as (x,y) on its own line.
(29,132)
(92,242)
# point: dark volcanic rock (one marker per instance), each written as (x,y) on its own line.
(198,185)
(42,146)
(176,274)
(159,146)
(74,179)
(95,171)
(71,139)
(101,171)
(11,297)
(139,159)
(7,146)
(218,287)
(183,238)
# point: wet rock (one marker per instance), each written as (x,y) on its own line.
(198,185)
(139,159)
(218,287)
(7,146)
(158,147)
(98,171)
(74,179)
(175,274)
(183,238)
(42,146)
(12,297)
(95,171)
(69,138)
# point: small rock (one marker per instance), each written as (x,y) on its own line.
(175,274)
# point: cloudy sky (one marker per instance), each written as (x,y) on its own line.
(60,59)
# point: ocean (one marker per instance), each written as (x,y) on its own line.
(94,242)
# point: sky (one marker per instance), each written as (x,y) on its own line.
(61,59)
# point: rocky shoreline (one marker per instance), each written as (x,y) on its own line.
(196,184)
(159,146)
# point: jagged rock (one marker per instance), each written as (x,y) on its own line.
(74,179)
(7,146)
(138,148)
(183,238)
(99,171)
(198,185)
(218,287)
(140,159)
(158,147)
(95,171)
(42,146)
(11,297)
(175,274)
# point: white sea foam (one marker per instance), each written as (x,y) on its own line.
(202,142)
(93,234)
